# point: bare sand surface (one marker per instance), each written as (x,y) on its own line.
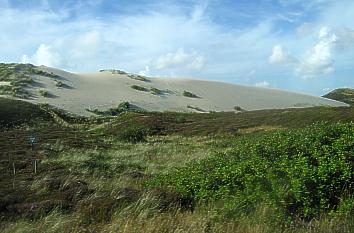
(103,90)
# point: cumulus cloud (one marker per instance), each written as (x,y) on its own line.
(45,55)
(278,56)
(145,72)
(320,60)
(180,59)
(262,84)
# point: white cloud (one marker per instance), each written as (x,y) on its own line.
(86,45)
(145,72)
(320,61)
(278,56)
(45,55)
(180,59)
(199,11)
(262,84)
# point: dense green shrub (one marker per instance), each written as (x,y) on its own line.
(302,172)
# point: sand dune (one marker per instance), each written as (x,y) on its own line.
(103,90)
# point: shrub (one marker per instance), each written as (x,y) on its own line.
(138,77)
(239,109)
(122,107)
(58,83)
(303,172)
(139,88)
(190,94)
(156,91)
(43,93)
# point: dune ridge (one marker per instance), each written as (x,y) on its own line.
(101,90)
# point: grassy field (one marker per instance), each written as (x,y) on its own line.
(284,170)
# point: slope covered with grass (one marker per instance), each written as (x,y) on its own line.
(261,171)
(345,95)
(15,112)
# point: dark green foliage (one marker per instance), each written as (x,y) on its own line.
(303,172)
(139,88)
(345,95)
(190,94)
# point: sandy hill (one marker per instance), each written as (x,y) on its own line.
(77,92)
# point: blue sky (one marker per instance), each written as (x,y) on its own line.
(300,45)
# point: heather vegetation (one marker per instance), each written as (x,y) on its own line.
(288,170)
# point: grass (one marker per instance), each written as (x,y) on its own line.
(156,91)
(20,77)
(190,94)
(138,77)
(345,95)
(196,108)
(15,112)
(95,177)
(43,93)
(139,88)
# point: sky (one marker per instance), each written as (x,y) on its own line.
(305,46)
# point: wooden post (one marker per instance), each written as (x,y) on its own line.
(35,166)
(14,168)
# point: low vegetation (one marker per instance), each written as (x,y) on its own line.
(139,88)
(138,77)
(345,95)
(239,109)
(285,170)
(298,173)
(43,92)
(196,108)
(156,91)
(190,94)
(20,78)
(121,108)
(114,71)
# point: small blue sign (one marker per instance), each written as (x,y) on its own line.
(32,140)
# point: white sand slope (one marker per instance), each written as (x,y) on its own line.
(103,90)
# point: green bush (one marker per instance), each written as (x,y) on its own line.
(302,172)
(190,94)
